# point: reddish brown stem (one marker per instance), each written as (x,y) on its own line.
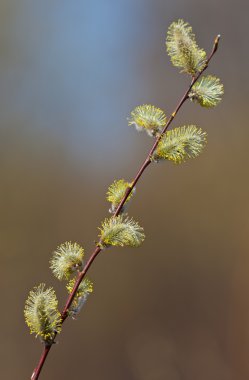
(97,250)
(43,357)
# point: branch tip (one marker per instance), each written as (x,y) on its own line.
(216,42)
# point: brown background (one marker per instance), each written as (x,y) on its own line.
(70,72)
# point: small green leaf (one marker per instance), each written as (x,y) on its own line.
(41,314)
(67,258)
(120,231)
(148,118)
(180,143)
(207,91)
(183,49)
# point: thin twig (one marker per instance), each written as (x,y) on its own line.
(97,250)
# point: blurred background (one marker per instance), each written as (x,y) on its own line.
(70,73)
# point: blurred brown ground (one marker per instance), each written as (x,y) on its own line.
(70,72)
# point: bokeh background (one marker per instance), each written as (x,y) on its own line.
(70,72)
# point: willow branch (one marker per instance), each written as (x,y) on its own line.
(81,275)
